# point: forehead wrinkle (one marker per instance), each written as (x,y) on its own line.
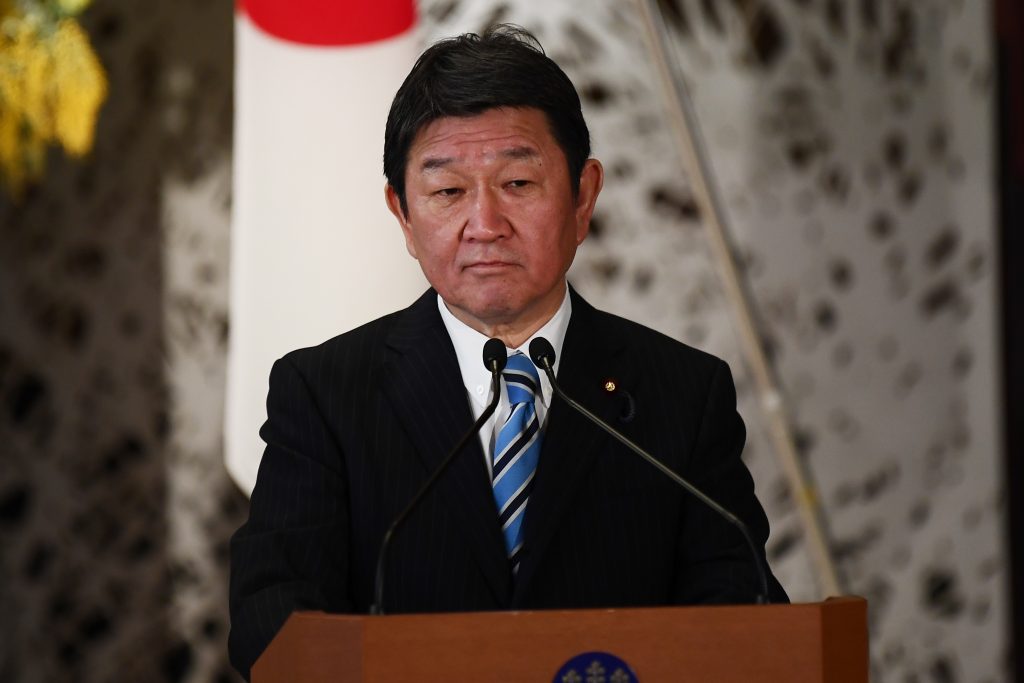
(517,153)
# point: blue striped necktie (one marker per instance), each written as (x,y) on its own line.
(516,450)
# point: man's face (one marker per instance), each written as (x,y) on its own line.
(491,215)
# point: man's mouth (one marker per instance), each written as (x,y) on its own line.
(480,266)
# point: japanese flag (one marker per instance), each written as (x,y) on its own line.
(314,250)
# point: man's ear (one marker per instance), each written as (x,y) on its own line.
(591,182)
(395,206)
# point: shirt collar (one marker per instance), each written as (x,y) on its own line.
(469,349)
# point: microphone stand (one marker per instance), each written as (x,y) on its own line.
(544,360)
(495,365)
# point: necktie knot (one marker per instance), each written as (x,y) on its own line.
(521,379)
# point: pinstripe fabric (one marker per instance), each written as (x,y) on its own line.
(356,424)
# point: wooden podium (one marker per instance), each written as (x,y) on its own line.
(825,641)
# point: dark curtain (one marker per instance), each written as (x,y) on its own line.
(1010,63)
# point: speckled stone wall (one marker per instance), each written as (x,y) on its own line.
(114,509)
(852,144)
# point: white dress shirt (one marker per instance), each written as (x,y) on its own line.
(469,349)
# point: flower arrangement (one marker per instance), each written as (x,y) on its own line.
(51,87)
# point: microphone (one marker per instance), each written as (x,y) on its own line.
(543,356)
(495,357)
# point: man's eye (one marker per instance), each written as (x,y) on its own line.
(518,183)
(447,192)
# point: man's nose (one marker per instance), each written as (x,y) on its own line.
(487,219)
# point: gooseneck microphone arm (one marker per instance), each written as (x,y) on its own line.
(495,358)
(543,356)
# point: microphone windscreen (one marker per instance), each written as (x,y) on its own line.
(542,353)
(495,355)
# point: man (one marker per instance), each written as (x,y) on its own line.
(489,176)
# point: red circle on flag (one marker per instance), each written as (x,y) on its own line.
(331,22)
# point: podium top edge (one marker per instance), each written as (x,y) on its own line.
(828,602)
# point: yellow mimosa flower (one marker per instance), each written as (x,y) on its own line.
(51,86)
(72,7)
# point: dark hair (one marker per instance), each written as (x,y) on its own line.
(469,74)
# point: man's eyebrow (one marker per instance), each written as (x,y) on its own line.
(432,163)
(519,152)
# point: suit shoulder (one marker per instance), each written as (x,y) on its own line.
(657,345)
(360,348)
(355,345)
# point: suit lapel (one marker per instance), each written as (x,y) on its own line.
(590,355)
(424,384)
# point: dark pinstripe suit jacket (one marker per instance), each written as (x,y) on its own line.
(356,424)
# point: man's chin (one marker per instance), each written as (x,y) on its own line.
(485,311)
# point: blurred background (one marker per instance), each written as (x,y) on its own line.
(869,156)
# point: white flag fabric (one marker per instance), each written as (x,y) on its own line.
(314,250)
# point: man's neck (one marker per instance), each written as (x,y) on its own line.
(469,343)
(512,332)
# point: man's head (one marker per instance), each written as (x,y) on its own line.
(490,180)
(469,74)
